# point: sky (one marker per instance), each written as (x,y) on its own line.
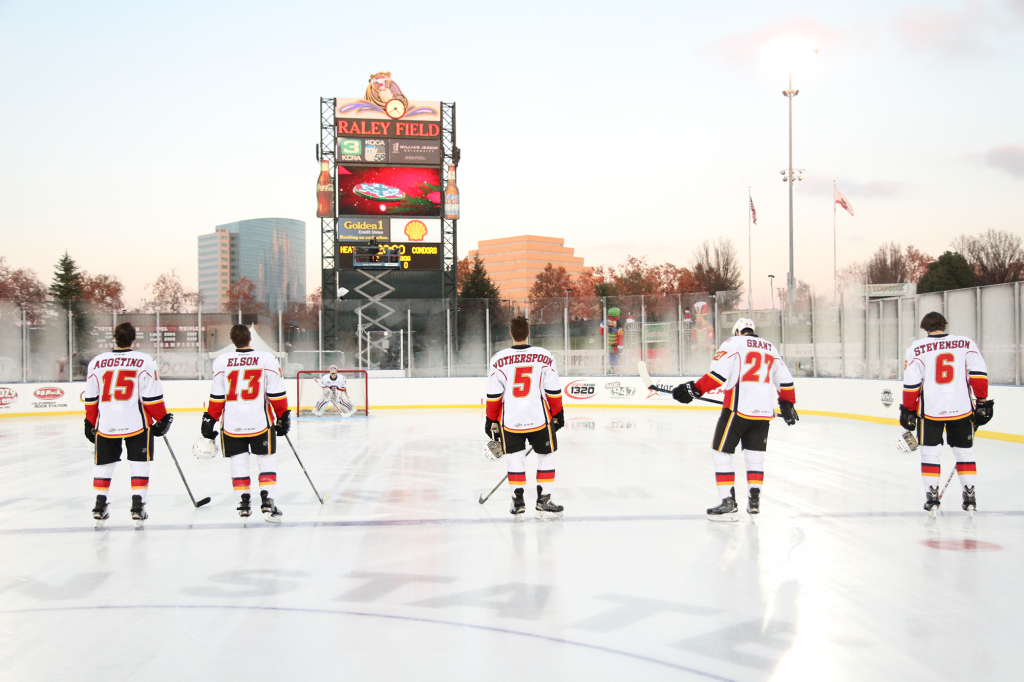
(128,129)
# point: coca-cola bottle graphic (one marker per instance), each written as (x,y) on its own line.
(451,196)
(325,192)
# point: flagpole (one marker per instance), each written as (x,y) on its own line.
(835,262)
(750,259)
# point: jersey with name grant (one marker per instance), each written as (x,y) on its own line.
(753,374)
(123,394)
(247,391)
(523,388)
(939,373)
(338,382)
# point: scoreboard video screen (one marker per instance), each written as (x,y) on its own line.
(389,190)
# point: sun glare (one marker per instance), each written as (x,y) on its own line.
(789,54)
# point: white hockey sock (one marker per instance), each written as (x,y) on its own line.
(268,473)
(930,466)
(966,470)
(755,468)
(240,474)
(516,463)
(101,475)
(725,474)
(546,473)
(140,478)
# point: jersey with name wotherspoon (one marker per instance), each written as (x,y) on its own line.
(123,394)
(523,389)
(753,374)
(338,382)
(247,391)
(944,368)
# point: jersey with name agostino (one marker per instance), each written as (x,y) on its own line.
(338,382)
(753,374)
(939,373)
(123,395)
(523,388)
(247,391)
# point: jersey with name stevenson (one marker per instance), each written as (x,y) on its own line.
(338,382)
(123,394)
(247,391)
(753,374)
(523,389)
(944,369)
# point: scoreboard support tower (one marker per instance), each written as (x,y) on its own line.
(328,231)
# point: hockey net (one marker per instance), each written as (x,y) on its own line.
(308,391)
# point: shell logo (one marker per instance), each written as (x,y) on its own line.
(48,393)
(415,230)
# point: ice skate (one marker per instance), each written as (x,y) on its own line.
(138,510)
(101,511)
(546,508)
(243,507)
(931,501)
(754,503)
(970,503)
(518,508)
(271,513)
(727,511)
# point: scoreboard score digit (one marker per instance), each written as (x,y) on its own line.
(413,256)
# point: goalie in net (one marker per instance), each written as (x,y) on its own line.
(344,391)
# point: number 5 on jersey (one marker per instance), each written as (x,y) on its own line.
(522,383)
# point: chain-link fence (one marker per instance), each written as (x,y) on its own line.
(846,335)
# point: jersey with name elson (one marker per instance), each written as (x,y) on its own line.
(247,392)
(753,375)
(523,388)
(939,374)
(123,394)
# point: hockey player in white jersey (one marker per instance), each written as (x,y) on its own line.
(524,404)
(248,392)
(754,375)
(940,373)
(124,403)
(334,392)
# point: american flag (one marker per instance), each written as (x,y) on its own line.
(753,211)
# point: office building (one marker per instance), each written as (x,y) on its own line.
(269,252)
(513,262)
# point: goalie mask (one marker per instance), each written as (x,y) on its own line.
(204,448)
(741,324)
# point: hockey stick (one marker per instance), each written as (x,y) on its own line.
(321,499)
(200,503)
(947,482)
(484,499)
(645,378)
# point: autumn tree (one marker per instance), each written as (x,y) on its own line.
(995,256)
(169,295)
(23,288)
(549,292)
(242,297)
(105,292)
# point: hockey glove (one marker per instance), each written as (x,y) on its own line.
(558,420)
(983,412)
(908,419)
(284,423)
(789,414)
(208,423)
(90,431)
(160,428)
(685,393)
(487,427)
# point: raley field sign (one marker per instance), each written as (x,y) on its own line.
(396,129)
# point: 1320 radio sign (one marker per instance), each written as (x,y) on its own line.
(413,257)
(581,390)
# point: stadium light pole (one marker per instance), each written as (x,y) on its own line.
(791,175)
(771,293)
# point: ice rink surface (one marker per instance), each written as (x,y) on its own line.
(402,575)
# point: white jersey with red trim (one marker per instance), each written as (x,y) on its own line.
(944,368)
(523,389)
(123,386)
(753,374)
(247,389)
(338,382)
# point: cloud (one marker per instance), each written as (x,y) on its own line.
(961,31)
(744,48)
(857,189)
(1008,158)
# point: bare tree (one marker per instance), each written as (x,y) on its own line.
(996,256)
(171,296)
(716,266)
(888,265)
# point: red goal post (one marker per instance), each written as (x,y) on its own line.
(308,391)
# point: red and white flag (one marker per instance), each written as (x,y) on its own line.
(843,201)
(753,211)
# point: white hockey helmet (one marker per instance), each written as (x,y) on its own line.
(741,324)
(333,369)
(204,448)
